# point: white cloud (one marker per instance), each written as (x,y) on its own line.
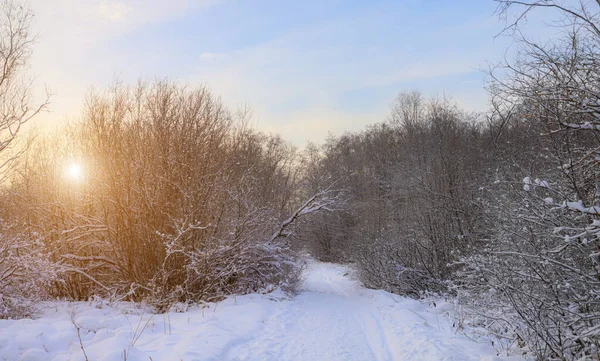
(115,11)
(315,124)
(310,65)
(208,57)
(71,52)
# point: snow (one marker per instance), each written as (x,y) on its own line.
(584,126)
(578,206)
(332,318)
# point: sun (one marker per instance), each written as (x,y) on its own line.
(75,171)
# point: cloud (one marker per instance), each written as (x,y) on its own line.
(115,11)
(97,18)
(315,124)
(73,51)
(208,57)
(297,82)
(320,57)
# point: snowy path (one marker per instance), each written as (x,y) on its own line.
(333,318)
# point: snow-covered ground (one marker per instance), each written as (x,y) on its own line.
(333,318)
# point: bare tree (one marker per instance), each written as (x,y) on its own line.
(408,109)
(25,271)
(16,105)
(411,186)
(538,269)
(576,12)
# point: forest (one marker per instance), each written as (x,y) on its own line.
(170,196)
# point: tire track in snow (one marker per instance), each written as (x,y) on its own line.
(336,319)
(375,335)
(308,328)
(328,321)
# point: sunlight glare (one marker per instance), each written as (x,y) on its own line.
(75,172)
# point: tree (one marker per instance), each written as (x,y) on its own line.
(16,104)
(24,272)
(539,265)
(411,185)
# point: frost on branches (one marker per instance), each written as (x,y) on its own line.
(26,273)
(535,282)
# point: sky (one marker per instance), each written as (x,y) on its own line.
(306,68)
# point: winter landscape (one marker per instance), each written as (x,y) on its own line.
(320,180)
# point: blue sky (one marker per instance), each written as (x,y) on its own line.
(306,68)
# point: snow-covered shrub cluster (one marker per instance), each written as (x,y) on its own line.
(530,282)
(178,200)
(541,258)
(26,273)
(411,186)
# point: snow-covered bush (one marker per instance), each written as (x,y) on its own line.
(410,186)
(536,274)
(382,266)
(532,284)
(180,200)
(26,272)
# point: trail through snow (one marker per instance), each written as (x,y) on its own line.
(333,318)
